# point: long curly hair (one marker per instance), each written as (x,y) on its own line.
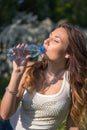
(77,67)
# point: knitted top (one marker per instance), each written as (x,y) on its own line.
(42,112)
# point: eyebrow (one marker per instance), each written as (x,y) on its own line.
(56,36)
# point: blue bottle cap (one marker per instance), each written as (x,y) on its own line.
(42,49)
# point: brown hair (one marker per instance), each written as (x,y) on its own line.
(77,67)
(34,74)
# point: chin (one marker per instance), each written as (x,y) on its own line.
(45,57)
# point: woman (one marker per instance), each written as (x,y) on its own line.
(51,89)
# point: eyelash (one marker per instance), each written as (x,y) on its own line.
(56,41)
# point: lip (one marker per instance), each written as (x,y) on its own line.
(45,49)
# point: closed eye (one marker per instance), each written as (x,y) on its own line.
(57,40)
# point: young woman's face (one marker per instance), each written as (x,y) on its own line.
(56,45)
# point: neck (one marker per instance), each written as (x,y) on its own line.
(53,73)
(55,68)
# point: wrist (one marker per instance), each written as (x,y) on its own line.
(17,73)
(11,91)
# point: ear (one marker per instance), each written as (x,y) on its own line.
(67,56)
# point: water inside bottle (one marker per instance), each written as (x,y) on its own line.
(33,53)
(31,49)
(10,55)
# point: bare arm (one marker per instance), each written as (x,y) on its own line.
(70,124)
(10,101)
(20,88)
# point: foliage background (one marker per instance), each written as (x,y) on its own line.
(74,11)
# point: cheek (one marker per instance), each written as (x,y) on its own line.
(55,53)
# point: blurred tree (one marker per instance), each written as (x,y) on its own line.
(7,10)
(73,10)
(79,15)
(39,7)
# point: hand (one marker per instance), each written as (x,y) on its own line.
(20,58)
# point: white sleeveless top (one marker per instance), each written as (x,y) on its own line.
(42,112)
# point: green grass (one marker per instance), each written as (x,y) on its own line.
(62,126)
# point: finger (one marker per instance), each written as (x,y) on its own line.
(22,50)
(19,50)
(18,45)
(27,57)
(23,44)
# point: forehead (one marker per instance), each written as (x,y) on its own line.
(60,32)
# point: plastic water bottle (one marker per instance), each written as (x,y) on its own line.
(33,50)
